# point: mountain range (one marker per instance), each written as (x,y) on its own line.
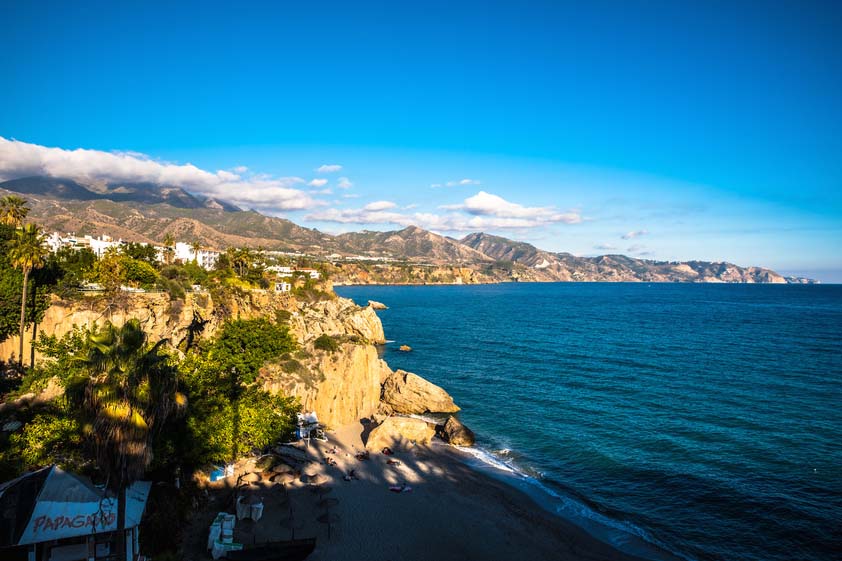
(146,212)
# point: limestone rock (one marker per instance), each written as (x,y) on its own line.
(399,432)
(159,316)
(339,316)
(53,390)
(405,348)
(375,305)
(341,387)
(454,432)
(409,393)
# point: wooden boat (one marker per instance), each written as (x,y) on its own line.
(287,550)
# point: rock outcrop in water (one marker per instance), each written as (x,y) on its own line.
(454,432)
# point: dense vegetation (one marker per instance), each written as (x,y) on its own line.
(117,406)
(125,408)
(227,412)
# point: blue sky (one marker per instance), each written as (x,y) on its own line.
(708,130)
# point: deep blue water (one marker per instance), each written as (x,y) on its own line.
(707,418)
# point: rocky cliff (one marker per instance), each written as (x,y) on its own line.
(339,316)
(342,386)
(162,318)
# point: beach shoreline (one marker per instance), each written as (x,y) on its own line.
(453,510)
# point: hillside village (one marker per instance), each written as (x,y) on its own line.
(180,253)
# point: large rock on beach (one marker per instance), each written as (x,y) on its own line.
(409,393)
(454,432)
(399,432)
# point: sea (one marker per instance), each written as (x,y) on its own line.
(688,421)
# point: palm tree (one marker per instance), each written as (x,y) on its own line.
(169,248)
(13,210)
(196,247)
(27,251)
(128,393)
(242,260)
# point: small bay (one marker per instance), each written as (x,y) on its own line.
(706,419)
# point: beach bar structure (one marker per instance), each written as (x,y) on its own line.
(53,515)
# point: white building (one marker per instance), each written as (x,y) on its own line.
(184,253)
(312,273)
(283,286)
(99,246)
(283,272)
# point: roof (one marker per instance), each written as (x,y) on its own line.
(51,504)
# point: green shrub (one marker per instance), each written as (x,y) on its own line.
(50,437)
(326,343)
(245,345)
(282,316)
(138,272)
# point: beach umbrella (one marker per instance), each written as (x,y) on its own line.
(283,478)
(252,477)
(315,478)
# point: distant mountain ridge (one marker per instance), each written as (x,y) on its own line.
(147,212)
(413,243)
(146,193)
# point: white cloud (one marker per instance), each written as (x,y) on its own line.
(605,246)
(317,182)
(451,222)
(457,183)
(21,159)
(410,206)
(487,204)
(351,196)
(634,234)
(240,169)
(379,205)
(480,212)
(344,183)
(328,168)
(636,248)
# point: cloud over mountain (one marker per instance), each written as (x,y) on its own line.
(482,211)
(22,159)
(487,204)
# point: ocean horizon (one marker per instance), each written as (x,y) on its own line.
(700,419)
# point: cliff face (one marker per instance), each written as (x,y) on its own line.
(162,318)
(341,387)
(339,316)
(159,317)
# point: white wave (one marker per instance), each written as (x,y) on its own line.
(618,533)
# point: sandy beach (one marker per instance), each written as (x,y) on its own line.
(452,511)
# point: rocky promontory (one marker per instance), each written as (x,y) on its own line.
(343,385)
